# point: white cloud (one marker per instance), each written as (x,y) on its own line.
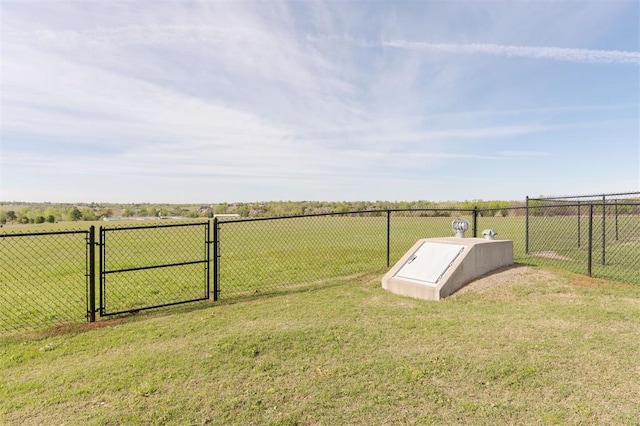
(523,154)
(152,34)
(533,52)
(589,56)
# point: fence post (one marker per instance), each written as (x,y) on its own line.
(604,229)
(91,313)
(616,206)
(207,237)
(388,238)
(590,240)
(578,224)
(216,257)
(475,221)
(101,254)
(526,227)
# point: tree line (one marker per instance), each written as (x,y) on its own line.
(25,213)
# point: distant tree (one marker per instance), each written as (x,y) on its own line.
(344,207)
(295,211)
(51,218)
(11,216)
(40,219)
(220,208)
(534,210)
(177,211)
(75,214)
(243,210)
(88,214)
(106,212)
(500,208)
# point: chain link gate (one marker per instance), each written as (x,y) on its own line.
(145,267)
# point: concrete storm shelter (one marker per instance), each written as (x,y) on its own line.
(435,268)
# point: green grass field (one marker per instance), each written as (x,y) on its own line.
(524,347)
(43,278)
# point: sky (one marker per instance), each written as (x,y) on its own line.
(240,101)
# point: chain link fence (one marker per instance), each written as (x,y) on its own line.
(610,198)
(407,226)
(275,254)
(601,241)
(43,279)
(265,255)
(50,278)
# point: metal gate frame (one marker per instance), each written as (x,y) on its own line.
(104,270)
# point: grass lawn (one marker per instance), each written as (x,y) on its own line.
(525,346)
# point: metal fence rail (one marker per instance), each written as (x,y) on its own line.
(609,198)
(52,278)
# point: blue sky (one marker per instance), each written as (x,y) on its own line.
(212,101)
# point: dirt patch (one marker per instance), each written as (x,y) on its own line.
(589,282)
(65,329)
(517,274)
(550,254)
(635,302)
(584,282)
(507,275)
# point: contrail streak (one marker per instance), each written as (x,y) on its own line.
(534,52)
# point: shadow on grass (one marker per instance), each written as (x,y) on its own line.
(361,278)
(146,314)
